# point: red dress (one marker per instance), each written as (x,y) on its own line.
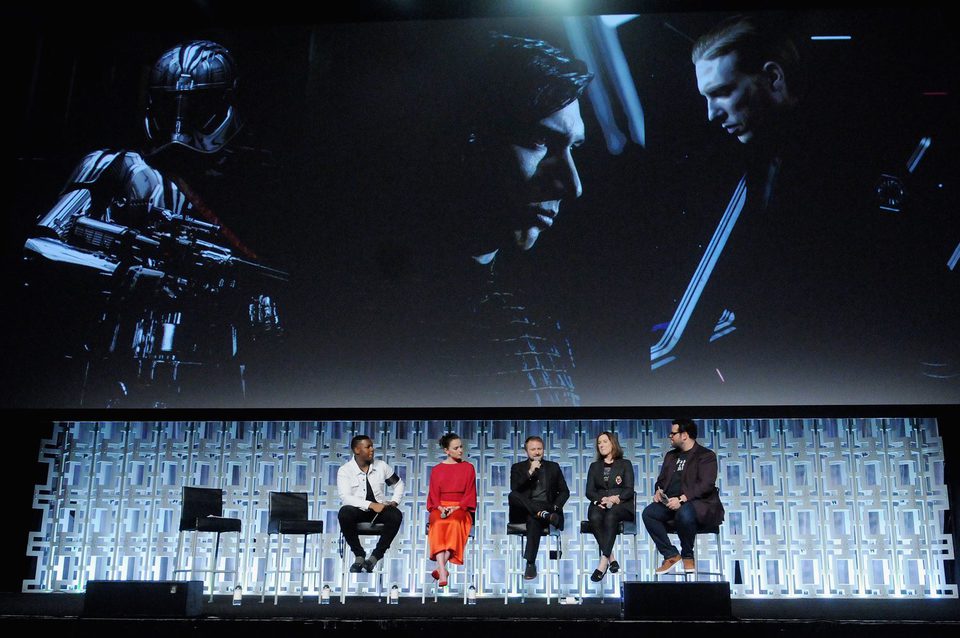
(451,484)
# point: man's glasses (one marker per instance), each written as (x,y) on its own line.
(670,435)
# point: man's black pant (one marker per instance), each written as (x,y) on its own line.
(390,517)
(535,524)
(656,514)
(605,523)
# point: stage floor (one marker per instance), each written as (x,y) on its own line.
(62,615)
(65,605)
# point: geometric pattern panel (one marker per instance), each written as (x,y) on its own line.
(815,507)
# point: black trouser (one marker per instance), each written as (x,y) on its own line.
(535,524)
(390,517)
(605,523)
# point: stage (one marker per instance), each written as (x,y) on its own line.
(813,561)
(63,614)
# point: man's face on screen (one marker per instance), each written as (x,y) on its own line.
(531,171)
(739,102)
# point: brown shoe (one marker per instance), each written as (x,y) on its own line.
(689,565)
(667,564)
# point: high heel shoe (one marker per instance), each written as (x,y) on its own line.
(435,574)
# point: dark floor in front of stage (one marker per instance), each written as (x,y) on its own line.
(66,605)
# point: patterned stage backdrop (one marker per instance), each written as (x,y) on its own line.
(815,507)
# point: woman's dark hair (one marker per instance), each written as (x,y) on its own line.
(447,439)
(617,450)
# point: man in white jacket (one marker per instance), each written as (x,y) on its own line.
(362,484)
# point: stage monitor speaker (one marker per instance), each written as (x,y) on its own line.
(143,598)
(664,601)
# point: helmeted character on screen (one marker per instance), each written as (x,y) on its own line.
(164,303)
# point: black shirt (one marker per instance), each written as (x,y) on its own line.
(369,496)
(539,492)
(674,488)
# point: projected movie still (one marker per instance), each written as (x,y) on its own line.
(686,209)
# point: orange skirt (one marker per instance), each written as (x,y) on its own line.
(449,533)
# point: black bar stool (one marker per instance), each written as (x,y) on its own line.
(515,565)
(696,573)
(201,511)
(469,563)
(363,530)
(625,528)
(288,516)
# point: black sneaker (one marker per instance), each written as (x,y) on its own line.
(530,572)
(370,563)
(357,566)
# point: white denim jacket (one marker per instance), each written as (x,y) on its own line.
(352,483)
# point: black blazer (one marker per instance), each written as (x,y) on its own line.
(621,482)
(698,482)
(522,483)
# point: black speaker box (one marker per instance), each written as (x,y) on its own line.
(663,601)
(143,598)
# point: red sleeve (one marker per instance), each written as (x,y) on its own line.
(469,501)
(433,493)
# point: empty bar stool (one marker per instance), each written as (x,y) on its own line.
(515,562)
(625,528)
(201,511)
(288,516)
(363,530)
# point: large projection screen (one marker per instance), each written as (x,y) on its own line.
(393,213)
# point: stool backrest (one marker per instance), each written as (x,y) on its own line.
(199,502)
(286,506)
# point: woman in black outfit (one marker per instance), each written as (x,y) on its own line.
(610,490)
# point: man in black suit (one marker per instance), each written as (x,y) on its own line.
(537,494)
(685,493)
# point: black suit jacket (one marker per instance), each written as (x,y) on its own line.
(522,483)
(698,482)
(621,482)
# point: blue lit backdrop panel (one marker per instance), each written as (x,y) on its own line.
(816,507)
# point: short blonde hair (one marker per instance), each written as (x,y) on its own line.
(754,42)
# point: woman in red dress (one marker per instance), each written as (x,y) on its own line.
(451,501)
